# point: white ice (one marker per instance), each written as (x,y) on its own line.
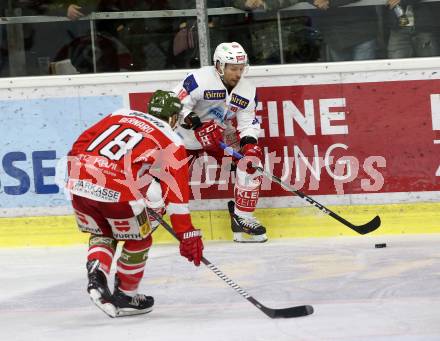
(359,292)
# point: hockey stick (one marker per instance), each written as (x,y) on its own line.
(297,311)
(361,229)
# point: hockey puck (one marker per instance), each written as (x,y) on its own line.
(381,245)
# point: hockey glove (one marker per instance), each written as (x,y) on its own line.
(191,245)
(192,121)
(209,135)
(252,155)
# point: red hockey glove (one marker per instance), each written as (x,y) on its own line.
(209,134)
(254,154)
(191,245)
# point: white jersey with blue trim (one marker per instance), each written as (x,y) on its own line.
(204,93)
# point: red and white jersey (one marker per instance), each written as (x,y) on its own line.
(204,93)
(116,159)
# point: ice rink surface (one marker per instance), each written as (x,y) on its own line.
(358,292)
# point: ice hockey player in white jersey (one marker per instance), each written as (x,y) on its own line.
(212,97)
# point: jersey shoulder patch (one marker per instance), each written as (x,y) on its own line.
(190,83)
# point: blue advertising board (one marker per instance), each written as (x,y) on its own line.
(35,135)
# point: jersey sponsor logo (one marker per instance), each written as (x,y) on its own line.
(247,199)
(144,224)
(231,112)
(255,121)
(125,229)
(82,217)
(214,94)
(92,191)
(126,236)
(239,101)
(122,225)
(88,229)
(189,84)
(145,229)
(86,223)
(95,161)
(218,113)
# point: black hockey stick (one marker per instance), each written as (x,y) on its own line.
(361,229)
(297,311)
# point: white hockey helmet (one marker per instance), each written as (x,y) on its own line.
(229,53)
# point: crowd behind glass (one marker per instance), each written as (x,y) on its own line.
(272,32)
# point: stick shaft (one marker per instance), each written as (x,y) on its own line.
(362,229)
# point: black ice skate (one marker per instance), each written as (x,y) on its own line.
(98,289)
(246,229)
(130,305)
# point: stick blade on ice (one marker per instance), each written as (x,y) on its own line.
(368,227)
(298,311)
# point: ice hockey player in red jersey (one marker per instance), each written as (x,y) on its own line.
(212,97)
(113,166)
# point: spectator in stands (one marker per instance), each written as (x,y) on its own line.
(301,42)
(74,12)
(230,27)
(109,54)
(263,27)
(350,33)
(149,40)
(185,52)
(420,36)
(22,39)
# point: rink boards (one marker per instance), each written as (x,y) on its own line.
(361,138)
(281,223)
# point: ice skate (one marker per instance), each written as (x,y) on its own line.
(131,305)
(246,229)
(98,289)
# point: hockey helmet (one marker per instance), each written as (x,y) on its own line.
(229,53)
(164,105)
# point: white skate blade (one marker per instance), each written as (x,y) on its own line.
(120,312)
(106,307)
(241,237)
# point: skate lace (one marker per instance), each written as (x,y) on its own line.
(250,222)
(138,299)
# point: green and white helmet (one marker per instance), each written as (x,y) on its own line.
(229,53)
(164,104)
